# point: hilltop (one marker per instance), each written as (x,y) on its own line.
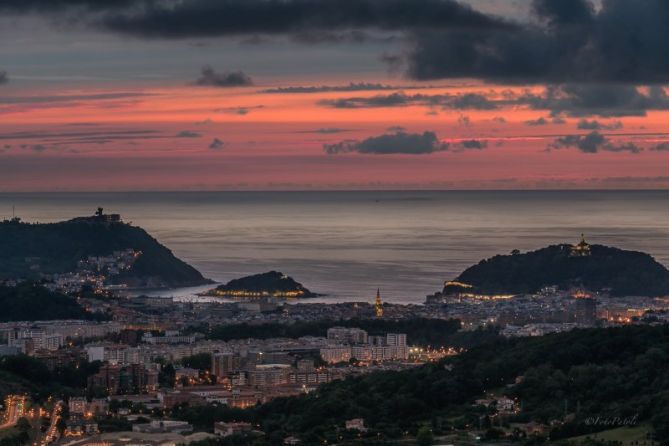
(36,250)
(270,284)
(593,267)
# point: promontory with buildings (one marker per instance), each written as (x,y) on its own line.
(100,250)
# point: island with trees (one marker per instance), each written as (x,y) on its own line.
(272,284)
(610,270)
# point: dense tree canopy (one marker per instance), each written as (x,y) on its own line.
(31,302)
(623,272)
(29,249)
(571,377)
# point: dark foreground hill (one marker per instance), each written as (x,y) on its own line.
(33,250)
(560,382)
(29,302)
(621,272)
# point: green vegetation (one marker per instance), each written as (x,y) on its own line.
(199,361)
(625,436)
(422,332)
(575,383)
(22,373)
(27,250)
(623,272)
(15,436)
(425,437)
(31,302)
(272,283)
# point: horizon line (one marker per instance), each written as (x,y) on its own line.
(196,191)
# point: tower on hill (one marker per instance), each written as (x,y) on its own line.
(581,249)
(378,305)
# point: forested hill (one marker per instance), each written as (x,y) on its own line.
(31,250)
(30,302)
(272,283)
(623,272)
(559,381)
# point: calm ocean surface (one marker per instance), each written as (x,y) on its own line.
(346,244)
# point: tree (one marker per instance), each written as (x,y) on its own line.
(167,376)
(425,437)
(200,361)
(23,425)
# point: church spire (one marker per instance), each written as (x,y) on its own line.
(378,305)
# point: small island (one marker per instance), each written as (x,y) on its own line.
(599,268)
(271,284)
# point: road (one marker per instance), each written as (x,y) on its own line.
(16,407)
(52,434)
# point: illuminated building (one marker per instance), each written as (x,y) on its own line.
(116,379)
(582,249)
(378,305)
(390,347)
(457,284)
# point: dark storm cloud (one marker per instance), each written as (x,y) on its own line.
(36,148)
(216,144)
(537,122)
(353,36)
(601,100)
(210,78)
(472,144)
(45,6)
(353,86)
(239,110)
(193,18)
(593,142)
(188,134)
(576,100)
(662,147)
(473,101)
(566,41)
(469,101)
(390,144)
(564,11)
(74,138)
(390,100)
(4,77)
(624,41)
(584,124)
(107,134)
(326,131)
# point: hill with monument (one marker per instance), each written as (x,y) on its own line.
(611,270)
(101,246)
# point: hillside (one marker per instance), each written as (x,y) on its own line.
(34,250)
(270,284)
(559,381)
(28,302)
(622,272)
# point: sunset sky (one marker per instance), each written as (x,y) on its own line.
(325,94)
